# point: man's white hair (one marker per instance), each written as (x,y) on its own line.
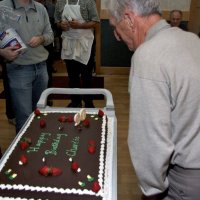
(141,7)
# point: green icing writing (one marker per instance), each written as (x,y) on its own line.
(72,152)
(54,145)
(42,140)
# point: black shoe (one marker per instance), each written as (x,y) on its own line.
(74,105)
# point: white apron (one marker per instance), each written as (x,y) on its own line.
(77,43)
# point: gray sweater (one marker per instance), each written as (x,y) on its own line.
(164,105)
(34,21)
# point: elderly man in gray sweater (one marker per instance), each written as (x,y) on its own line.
(27,72)
(164,124)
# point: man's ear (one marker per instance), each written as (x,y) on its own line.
(130,19)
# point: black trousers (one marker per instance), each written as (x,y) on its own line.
(50,61)
(80,76)
(9,108)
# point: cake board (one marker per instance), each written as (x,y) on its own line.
(108,110)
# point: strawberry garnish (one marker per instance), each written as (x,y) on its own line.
(74,166)
(100,113)
(62,119)
(55,171)
(91,149)
(45,171)
(96,187)
(24,145)
(23,160)
(86,123)
(42,123)
(50,171)
(37,112)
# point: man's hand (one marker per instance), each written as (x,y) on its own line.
(10,53)
(75,24)
(64,25)
(36,41)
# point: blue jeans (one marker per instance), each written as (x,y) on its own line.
(26,82)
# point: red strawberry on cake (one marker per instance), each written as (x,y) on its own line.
(55,171)
(96,187)
(75,167)
(100,113)
(91,146)
(91,149)
(25,143)
(42,123)
(50,171)
(44,171)
(23,160)
(86,123)
(62,119)
(37,112)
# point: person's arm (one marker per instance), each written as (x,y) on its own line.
(9,53)
(63,25)
(86,25)
(47,36)
(150,129)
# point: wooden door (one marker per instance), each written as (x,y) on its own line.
(98,40)
(194,21)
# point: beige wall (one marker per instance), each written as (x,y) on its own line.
(166,7)
(183,5)
(165,4)
(194,21)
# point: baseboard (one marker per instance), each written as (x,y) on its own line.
(63,82)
